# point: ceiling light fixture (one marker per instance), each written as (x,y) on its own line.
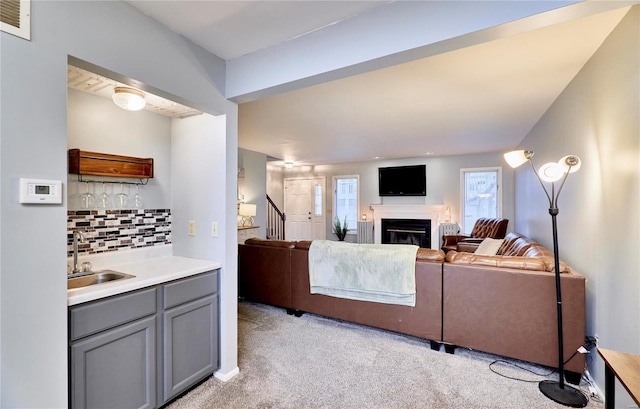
(288,165)
(128,98)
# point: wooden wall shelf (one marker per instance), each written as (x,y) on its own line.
(104,164)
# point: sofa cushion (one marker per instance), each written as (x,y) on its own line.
(489,247)
(515,244)
(521,263)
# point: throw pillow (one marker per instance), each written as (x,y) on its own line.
(489,247)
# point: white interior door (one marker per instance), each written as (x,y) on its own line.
(301,208)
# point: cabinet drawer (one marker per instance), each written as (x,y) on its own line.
(97,316)
(188,289)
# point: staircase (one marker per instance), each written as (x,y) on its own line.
(275,221)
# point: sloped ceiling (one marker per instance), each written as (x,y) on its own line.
(480,98)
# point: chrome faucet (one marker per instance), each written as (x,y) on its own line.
(78,236)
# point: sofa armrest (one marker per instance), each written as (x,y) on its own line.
(264,274)
(452,239)
(469,244)
(466,247)
(432,255)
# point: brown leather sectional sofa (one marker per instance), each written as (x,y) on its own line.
(503,304)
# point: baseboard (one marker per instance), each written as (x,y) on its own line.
(224,377)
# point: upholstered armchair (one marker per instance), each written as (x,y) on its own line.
(484,227)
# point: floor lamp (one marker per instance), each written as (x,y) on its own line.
(553,172)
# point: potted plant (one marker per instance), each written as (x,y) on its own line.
(341,228)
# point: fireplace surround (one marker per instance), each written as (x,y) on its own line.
(406,231)
(434,213)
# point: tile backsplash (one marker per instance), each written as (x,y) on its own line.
(114,230)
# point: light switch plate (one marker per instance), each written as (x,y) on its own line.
(192,227)
(214,229)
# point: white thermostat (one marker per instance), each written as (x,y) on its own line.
(40,191)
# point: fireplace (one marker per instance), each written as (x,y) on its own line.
(406,231)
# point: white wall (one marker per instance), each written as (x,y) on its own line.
(96,124)
(596,118)
(197,183)
(33,312)
(443,182)
(198,192)
(254,185)
(275,184)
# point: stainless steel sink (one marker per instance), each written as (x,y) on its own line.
(99,277)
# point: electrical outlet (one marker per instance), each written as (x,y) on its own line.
(192,227)
(597,340)
(214,229)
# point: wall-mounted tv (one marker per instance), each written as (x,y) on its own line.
(402,181)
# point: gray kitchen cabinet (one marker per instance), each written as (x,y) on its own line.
(190,345)
(143,348)
(113,352)
(190,333)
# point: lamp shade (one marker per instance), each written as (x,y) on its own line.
(247,209)
(570,163)
(517,158)
(128,98)
(551,172)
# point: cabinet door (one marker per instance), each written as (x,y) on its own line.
(116,368)
(190,344)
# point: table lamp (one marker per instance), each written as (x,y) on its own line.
(247,211)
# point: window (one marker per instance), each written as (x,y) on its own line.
(481,195)
(345,200)
(317,205)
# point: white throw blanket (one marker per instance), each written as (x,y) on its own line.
(382,273)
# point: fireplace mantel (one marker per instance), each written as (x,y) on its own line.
(432,212)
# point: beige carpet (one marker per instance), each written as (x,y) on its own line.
(314,362)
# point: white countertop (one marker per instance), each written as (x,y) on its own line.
(147,272)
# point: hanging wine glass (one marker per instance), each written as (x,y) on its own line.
(104,201)
(121,198)
(87,199)
(137,199)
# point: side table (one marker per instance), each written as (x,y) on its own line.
(625,367)
(246,232)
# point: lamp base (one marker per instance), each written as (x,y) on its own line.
(247,221)
(567,396)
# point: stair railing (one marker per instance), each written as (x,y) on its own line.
(275,221)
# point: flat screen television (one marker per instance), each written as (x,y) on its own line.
(402,181)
